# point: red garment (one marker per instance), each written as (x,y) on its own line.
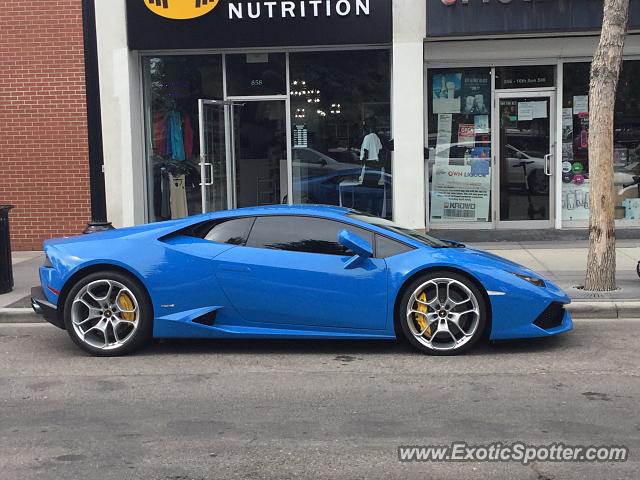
(160,133)
(187,135)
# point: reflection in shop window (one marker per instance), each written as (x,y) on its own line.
(172,87)
(576,174)
(459,145)
(341,129)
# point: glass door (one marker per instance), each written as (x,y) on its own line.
(525,159)
(243,160)
(215,154)
(260,153)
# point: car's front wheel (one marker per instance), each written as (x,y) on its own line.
(108,314)
(442,313)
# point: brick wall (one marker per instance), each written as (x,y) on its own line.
(43,146)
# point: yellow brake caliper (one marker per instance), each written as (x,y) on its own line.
(125,302)
(421,318)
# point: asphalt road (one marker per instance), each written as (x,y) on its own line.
(256,409)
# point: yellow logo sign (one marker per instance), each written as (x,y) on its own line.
(181,9)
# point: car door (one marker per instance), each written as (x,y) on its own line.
(294,272)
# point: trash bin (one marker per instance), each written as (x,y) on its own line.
(6,268)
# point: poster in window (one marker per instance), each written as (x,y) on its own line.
(476,92)
(446,92)
(467,134)
(481,124)
(461,192)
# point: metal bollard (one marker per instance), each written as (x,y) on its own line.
(6,267)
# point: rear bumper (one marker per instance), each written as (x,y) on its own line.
(43,307)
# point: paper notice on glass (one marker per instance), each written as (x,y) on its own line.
(443,142)
(580,104)
(461,192)
(525,111)
(539,109)
(481,124)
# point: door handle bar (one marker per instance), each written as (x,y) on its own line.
(204,180)
(547,164)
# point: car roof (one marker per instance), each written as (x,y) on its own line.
(322,211)
(311,210)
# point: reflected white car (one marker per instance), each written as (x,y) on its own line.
(308,162)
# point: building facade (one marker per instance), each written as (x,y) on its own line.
(507,116)
(468,114)
(43,144)
(251,103)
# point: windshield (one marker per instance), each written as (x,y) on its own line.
(407,232)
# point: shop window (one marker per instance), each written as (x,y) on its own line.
(341,121)
(172,87)
(459,145)
(254,74)
(576,174)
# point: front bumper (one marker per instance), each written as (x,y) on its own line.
(43,307)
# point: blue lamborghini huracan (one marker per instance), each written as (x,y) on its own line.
(288,272)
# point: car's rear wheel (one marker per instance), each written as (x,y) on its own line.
(108,314)
(442,313)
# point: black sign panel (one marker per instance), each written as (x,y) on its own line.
(483,17)
(191,24)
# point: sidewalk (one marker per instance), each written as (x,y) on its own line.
(25,276)
(563,262)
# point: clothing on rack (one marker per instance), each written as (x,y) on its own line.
(175,139)
(371,146)
(168,197)
(173,135)
(178,195)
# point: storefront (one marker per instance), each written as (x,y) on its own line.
(507,108)
(260,103)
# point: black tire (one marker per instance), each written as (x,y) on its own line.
(638,269)
(137,339)
(402,320)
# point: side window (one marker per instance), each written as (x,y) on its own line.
(386,247)
(234,232)
(302,234)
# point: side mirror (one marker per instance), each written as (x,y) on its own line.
(356,244)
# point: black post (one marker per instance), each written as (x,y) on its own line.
(94,122)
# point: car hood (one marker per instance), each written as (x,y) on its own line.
(495,260)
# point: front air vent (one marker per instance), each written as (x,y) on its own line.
(551,317)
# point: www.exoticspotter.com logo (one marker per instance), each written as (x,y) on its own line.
(181,9)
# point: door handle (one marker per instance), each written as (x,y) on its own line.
(547,164)
(210,182)
(203,181)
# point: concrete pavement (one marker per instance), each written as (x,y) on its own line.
(254,409)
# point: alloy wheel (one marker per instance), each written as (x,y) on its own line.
(105,314)
(443,314)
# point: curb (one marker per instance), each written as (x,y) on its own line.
(579,310)
(606,309)
(20,315)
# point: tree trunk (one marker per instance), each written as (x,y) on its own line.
(605,71)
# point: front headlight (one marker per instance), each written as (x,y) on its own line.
(532,280)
